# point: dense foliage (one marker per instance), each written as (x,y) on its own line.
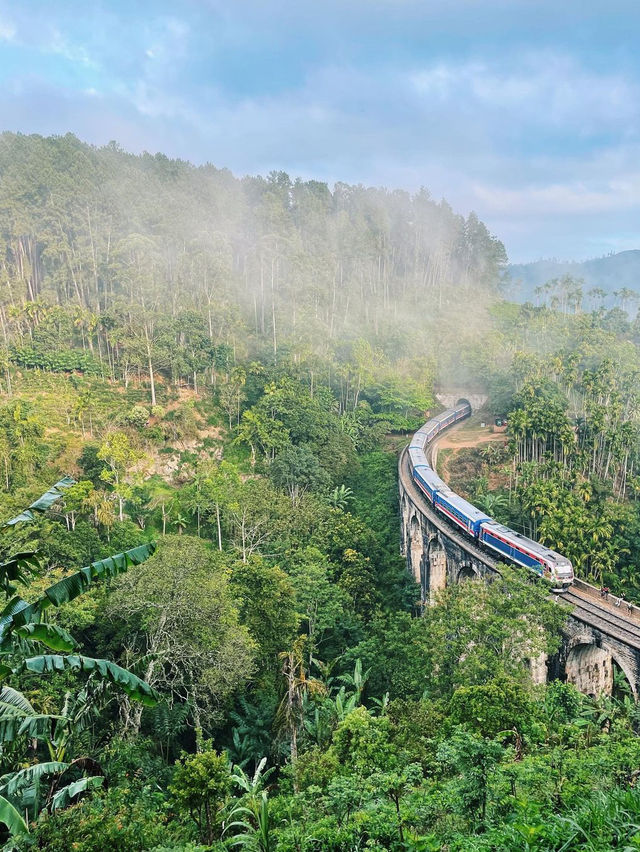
(227,368)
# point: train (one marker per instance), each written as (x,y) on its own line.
(473,522)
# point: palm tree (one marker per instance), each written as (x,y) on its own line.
(299,685)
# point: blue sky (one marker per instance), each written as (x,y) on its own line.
(526,111)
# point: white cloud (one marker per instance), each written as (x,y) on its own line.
(576,198)
(539,87)
(76,53)
(7,30)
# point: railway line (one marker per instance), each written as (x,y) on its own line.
(582,599)
(600,616)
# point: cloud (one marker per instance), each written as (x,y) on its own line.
(545,88)
(571,199)
(506,107)
(7,30)
(61,45)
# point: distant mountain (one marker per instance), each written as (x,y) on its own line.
(611,273)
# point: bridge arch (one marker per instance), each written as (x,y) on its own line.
(468,571)
(621,666)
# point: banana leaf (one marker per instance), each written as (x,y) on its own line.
(131,684)
(14,707)
(64,797)
(10,784)
(43,503)
(11,818)
(70,587)
(18,612)
(17,569)
(40,726)
(50,635)
(14,702)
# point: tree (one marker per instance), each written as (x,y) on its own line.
(296,470)
(201,784)
(477,633)
(120,456)
(321,603)
(267,606)
(178,616)
(471,759)
(500,705)
(299,685)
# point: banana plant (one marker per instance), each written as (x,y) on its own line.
(24,629)
(20,567)
(250,817)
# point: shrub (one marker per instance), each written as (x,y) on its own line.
(119,820)
(138,416)
(201,785)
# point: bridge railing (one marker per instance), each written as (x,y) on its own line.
(629,610)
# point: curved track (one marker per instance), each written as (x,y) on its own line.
(586,604)
(418,498)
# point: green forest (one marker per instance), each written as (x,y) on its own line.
(209,637)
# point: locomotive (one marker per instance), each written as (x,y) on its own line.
(473,522)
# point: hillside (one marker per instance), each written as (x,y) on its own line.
(226,368)
(612,273)
(117,236)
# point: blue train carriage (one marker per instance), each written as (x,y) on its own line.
(462,411)
(524,551)
(429,482)
(428,431)
(417,458)
(425,433)
(460,511)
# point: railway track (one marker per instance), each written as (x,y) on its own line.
(600,616)
(419,499)
(584,603)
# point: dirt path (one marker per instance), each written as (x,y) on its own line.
(467,435)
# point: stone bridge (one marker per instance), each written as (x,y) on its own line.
(599,635)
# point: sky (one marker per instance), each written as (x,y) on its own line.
(525,111)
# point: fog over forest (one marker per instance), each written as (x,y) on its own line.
(133,242)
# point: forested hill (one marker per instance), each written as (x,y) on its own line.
(134,245)
(611,274)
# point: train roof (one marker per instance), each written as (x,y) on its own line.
(417,456)
(469,509)
(523,540)
(437,420)
(432,478)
